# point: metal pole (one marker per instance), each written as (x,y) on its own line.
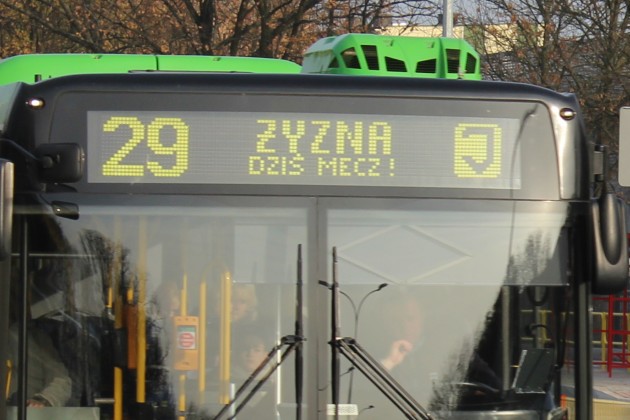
(299,331)
(24,287)
(116,274)
(447,19)
(335,335)
(141,357)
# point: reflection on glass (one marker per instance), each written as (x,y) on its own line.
(164,305)
(437,327)
(159,307)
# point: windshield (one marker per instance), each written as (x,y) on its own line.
(172,302)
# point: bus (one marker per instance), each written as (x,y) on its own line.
(189,245)
(30,68)
(354,54)
(393,56)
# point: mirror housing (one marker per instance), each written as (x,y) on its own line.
(65,209)
(610,247)
(60,162)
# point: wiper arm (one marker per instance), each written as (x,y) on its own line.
(293,343)
(362,360)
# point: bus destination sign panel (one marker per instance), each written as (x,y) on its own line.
(303,149)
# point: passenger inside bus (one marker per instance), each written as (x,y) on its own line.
(243,313)
(250,343)
(250,346)
(244,304)
(402,330)
(408,324)
(48,382)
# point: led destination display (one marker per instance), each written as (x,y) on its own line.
(303,149)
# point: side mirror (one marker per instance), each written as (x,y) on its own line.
(610,248)
(60,162)
(6,208)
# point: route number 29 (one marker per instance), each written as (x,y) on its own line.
(151,134)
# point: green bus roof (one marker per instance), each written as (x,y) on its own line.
(356,54)
(382,55)
(31,68)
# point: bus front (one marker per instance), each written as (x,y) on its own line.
(352,247)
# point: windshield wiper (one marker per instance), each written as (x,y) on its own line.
(365,363)
(293,343)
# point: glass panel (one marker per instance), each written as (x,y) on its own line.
(449,242)
(351,59)
(371,56)
(170,302)
(184,296)
(467,290)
